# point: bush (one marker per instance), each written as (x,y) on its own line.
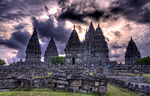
(58,60)
(143,61)
(2,62)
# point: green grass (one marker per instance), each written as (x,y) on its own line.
(145,76)
(112,91)
(115,91)
(41,92)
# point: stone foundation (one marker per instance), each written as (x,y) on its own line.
(73,83)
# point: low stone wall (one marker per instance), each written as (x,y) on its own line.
(129,68)
(77,82)
(135,87)
(73,83)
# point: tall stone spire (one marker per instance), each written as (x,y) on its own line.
(33,50)
(90,34)
(73,47)
(100,46)
(50,51)
(132,53)
(95,47)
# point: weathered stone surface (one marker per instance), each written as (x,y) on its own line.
(60,86)
(83,91)
(96,83)
(62,82)
(72,89)
(87,87)
(76,83)
(102,89)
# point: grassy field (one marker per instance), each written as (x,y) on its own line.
(115,91)
(145,76)
(112,91)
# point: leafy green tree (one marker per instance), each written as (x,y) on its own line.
(2,62)
(12,64)
(143,61)
(57,60)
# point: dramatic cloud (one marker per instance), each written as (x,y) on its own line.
(135,10)
(81,10)
(119,19)
(17,40)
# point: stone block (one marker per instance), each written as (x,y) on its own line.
(60,87)
(102,89)
(76,83)
(72,89)
(62,82)
(103,83)
(96,83)
(9,80)
(87,87)
(9,85)
(83,91)
(61,78)
(94,89)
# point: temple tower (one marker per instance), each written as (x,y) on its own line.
(50,51)
(33,50)
(95,48)
(73,49)
(100,47)
(88,42)
(132,53)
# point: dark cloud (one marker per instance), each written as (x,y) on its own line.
(17,40)
(72,15)
(117,34)
(47,29)
(143,44)
(135,10)
(115,45)
(20,26)
(78,11)
(18,9)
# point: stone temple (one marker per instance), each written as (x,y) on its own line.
(74,49)
(50,51)
(132,53)
(93,51)
(95,47)
(33,50)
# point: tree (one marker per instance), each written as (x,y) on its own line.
(2,62)
(143,61)
(58,60)
(12,64)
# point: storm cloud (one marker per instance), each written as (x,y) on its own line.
(135,10)
(19,15)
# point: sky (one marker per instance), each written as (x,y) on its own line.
(119,20)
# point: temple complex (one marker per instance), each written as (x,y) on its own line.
(92,52)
